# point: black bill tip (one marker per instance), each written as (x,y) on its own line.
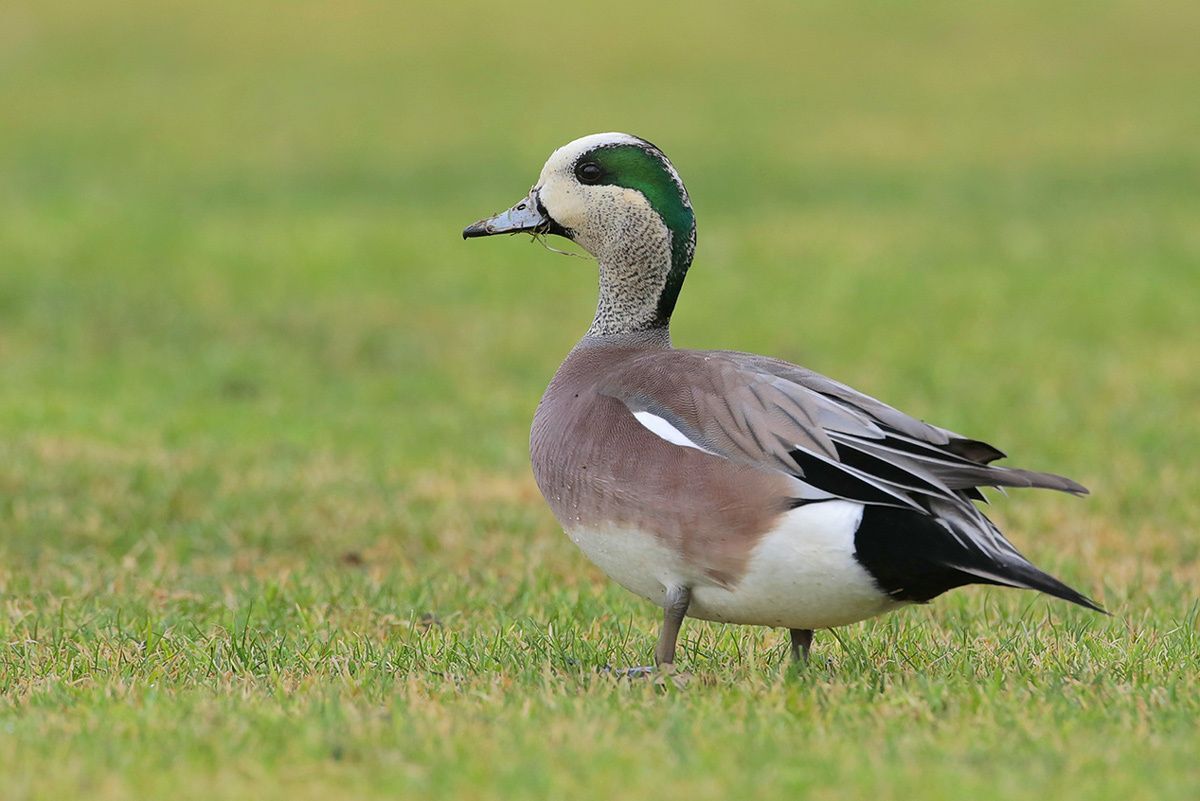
(476,229)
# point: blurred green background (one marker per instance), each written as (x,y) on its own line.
(266,523)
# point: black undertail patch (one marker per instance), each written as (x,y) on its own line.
(909,554)
(913,557)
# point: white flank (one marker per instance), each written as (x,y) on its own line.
(802,574)
(664,430)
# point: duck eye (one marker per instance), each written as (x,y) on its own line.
(589,172)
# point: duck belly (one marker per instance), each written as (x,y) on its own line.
(800,574)
(637,560)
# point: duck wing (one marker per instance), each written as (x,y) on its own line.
(836,441)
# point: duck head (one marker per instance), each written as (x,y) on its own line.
(620,199)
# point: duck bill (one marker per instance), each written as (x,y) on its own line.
(528,215)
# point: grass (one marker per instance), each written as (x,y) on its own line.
(267,528)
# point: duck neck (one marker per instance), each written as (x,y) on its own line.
(640,279)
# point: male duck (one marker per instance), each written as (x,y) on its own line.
(728,486)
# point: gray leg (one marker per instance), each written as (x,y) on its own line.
(678,599)
(801,644)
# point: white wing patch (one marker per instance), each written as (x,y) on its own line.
(664,430)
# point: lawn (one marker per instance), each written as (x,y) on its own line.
(267,525)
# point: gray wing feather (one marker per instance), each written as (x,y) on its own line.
(767,412)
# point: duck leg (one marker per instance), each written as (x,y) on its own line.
(801,644)
(678,600)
